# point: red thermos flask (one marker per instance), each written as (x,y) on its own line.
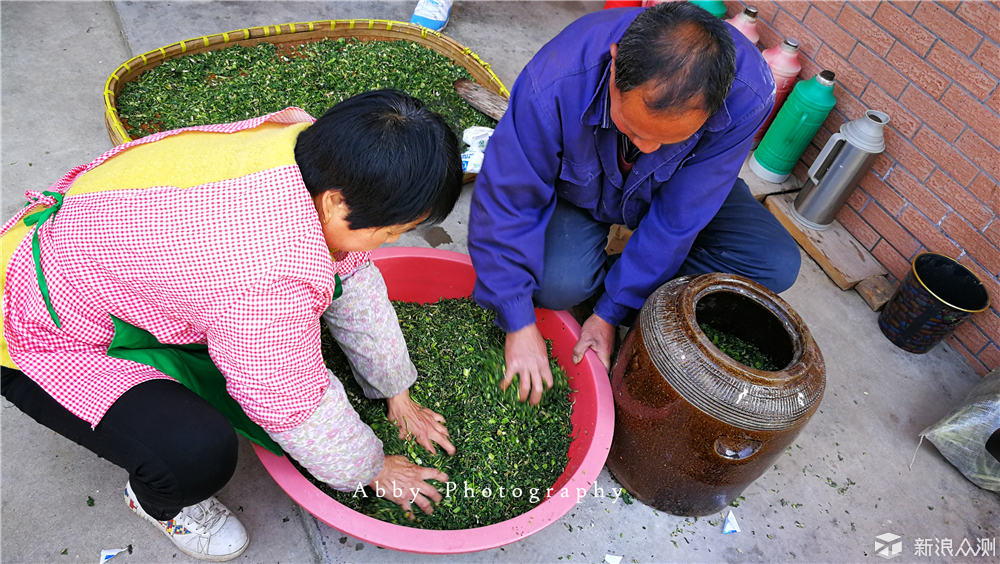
(746,22)
(784,62)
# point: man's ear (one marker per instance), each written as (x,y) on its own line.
(614,53)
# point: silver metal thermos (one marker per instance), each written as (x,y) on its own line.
(838,169)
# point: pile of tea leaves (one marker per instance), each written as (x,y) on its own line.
(499,441)
(238,83)
(740,350)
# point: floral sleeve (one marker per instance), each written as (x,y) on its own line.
(333,443)
(365,325)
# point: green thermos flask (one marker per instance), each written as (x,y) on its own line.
(793,128)
(715,7)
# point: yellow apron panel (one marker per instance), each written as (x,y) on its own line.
(184,160)
(8,244)
(193,158)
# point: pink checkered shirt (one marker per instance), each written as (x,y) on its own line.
(239,264)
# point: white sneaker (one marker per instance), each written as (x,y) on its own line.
(207,530)
(432,14)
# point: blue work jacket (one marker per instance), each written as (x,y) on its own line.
(555,141)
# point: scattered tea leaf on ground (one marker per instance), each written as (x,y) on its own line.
(626,497)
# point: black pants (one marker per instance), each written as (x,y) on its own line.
(177,448)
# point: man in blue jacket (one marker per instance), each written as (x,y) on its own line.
(639,117)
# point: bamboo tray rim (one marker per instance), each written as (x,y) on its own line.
(289,32)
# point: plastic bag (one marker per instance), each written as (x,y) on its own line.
(472,161)
(477,137)
(962,434)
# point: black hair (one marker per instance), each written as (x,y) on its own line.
(392,159)
(686,53)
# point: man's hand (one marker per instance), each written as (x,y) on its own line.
(527,356)
(400,476)
(598,335)
(424,425)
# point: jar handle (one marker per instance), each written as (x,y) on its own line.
(733,448)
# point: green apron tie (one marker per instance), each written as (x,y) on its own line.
(37,219)
(191,366)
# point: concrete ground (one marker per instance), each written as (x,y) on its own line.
(844,482)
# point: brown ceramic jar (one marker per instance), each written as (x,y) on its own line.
(693,427)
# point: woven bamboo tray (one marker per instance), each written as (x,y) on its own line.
(293,34)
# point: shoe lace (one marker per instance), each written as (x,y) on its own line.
(205,515)
(436,10)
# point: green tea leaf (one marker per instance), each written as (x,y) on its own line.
(500,441)
(238,83)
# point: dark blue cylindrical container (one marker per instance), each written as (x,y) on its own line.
(936,296)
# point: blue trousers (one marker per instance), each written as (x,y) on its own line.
(743,238)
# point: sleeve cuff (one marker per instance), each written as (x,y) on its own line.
(516,314)
(611,312)
(408,375)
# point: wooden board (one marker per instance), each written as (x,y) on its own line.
(761,188)
(617,239)
(491,104)
(846,261)
(876,291)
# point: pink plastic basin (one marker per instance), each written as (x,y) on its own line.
(425,275)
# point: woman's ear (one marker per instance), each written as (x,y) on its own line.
(330,205)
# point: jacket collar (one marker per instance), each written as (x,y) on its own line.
(719,120)
(597,111)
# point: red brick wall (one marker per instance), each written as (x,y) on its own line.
(934,68)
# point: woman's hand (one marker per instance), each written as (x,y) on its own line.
(424,425)
(403,482)
(596,334)
(527,356)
